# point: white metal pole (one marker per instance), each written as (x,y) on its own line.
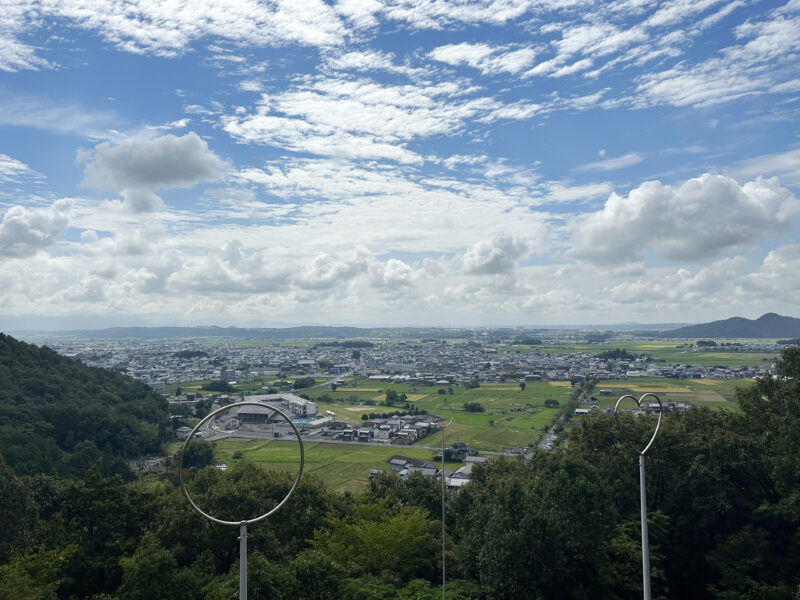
(444,578)
(645,537)
(243,561)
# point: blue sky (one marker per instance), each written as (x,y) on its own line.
(404,162)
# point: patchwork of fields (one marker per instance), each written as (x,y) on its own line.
(512,417)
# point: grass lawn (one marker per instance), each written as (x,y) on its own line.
(341,467)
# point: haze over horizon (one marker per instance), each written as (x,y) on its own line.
(502,162)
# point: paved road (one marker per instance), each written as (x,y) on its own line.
(547,441)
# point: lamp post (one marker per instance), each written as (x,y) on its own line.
(242,525)
(444,544)
(642,487)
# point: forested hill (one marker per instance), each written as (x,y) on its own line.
(769,325)
(58,415)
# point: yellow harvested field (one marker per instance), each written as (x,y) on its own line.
(415,397)
(704,381)
(560,383)
(357,389)
(658,389)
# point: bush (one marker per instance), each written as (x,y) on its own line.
(474,407)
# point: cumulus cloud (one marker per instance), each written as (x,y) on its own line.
(325,271)
(778,276)
(392,274)
(495,256)
(699,219)
(25,231)
(139,166)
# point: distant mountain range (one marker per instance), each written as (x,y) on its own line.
(261,333)
(769,325)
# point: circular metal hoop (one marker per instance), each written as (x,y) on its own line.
(452,414)
(639,404)
(211,416)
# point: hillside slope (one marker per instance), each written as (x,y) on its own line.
(769,325)
(58,414)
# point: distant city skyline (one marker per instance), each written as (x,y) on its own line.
(404,163)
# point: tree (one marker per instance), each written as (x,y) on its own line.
(522,385)
(551,403)
(198,453)
(333,387)
(522,529)
(203,407)
(392,397)
(474,407)
(218,386)
(35,576)
(400,542)
(17,512)
(303,382)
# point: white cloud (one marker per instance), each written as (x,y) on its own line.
(778,276)
(170,28)
(699,219)
(487,59)
(785,165)
(670,290)
(12,170)
(361,118)
(496,256)
(42,113)
(25,231)
(138,166)
(16,55)
(438,14)
(369,60)
(360,13)
(742,69)
(611,164)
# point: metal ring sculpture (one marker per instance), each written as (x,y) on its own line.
(639,404)
(211,416)
(452,414)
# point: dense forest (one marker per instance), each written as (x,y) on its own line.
(723,491)
(59,416)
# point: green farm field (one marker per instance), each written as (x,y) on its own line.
(667,350)
(714,394)
(342,467)
(512,417)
